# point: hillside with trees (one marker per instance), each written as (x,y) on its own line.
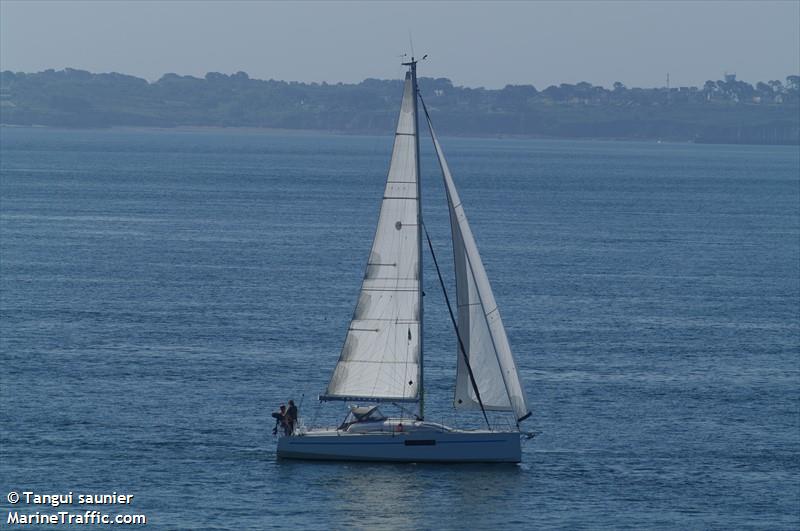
(724,111)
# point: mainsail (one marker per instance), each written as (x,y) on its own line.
(479,325)
(380,359)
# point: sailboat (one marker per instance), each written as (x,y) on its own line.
(381,361)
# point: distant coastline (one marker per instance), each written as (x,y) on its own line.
(314,132)
(726,111)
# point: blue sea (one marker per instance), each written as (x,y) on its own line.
(164,291)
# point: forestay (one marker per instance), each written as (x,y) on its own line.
(479,324)
(380,359)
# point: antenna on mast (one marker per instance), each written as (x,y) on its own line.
(413,61)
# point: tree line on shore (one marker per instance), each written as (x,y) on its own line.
(727,110)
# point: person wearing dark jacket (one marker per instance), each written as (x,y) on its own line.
(291,417)
(280,419)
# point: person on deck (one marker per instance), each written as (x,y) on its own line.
(291,417)
(280,419)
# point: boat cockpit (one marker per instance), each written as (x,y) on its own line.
(362,415)
(369,419)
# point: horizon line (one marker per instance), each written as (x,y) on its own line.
(336,83)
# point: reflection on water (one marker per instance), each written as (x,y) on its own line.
(402,496)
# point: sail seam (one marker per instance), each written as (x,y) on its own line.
(377,362)
(390,289)
(398,321)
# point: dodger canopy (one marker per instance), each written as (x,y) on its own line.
(363,414)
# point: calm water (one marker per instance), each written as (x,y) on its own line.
(163,291)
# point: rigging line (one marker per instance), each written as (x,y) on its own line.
(404,410)
(405,365)
(458,335)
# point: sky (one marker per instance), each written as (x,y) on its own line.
(488,44)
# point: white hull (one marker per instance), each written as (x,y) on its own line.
(453,446)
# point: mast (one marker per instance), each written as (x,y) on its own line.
(413,66)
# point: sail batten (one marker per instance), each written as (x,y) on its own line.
(479,324)
(380,358)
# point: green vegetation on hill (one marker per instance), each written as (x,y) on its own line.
(728,111)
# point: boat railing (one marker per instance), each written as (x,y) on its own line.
(453,421)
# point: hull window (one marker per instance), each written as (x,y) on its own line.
(421,442)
